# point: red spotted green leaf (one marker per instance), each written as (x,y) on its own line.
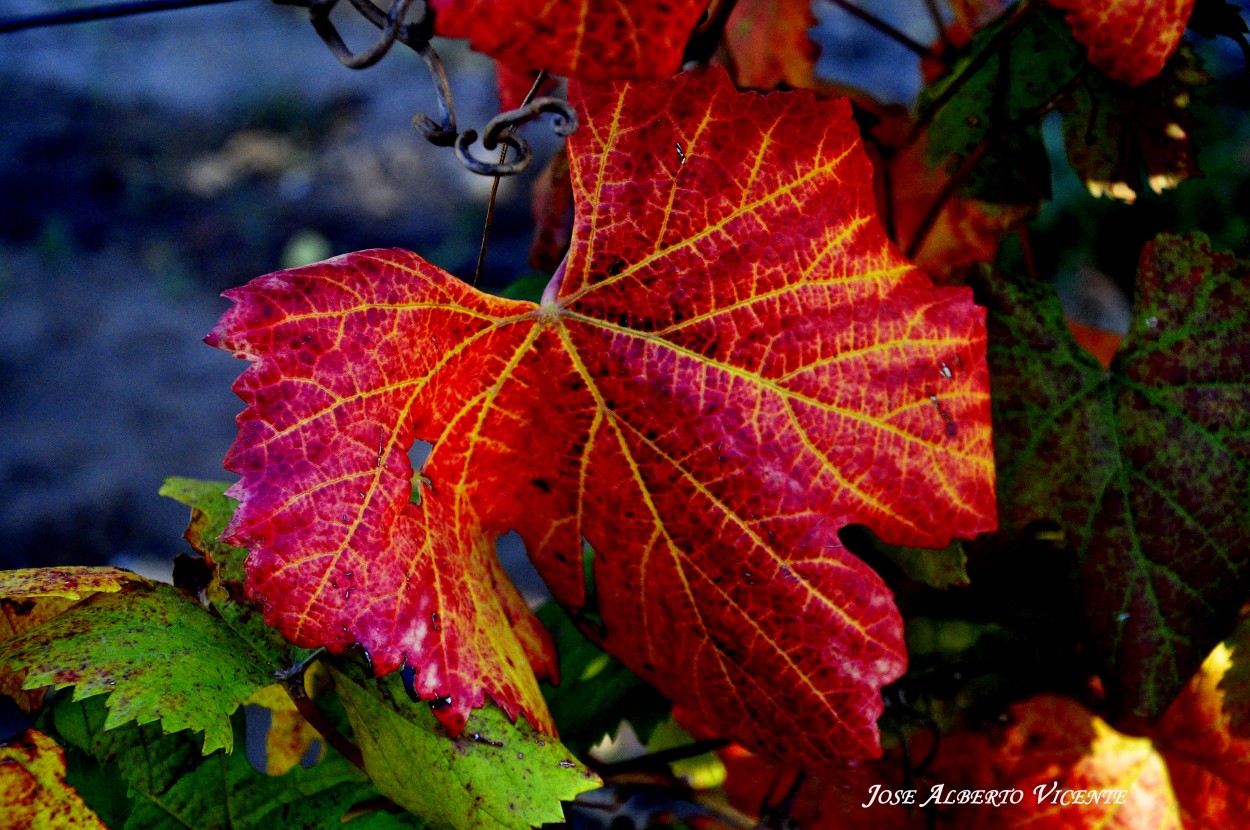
(591,39)
(1051,748)
(1208,759)
(1129,40)
(156,652)
(1145,468)
(769,44)
(33,790)
(732,365)
(30,597)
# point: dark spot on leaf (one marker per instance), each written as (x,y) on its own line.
(541,484)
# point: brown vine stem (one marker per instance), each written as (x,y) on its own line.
(935,14)
(294,687)
(882,27)
(494,186)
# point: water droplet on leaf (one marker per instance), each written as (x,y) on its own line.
(440,703)
(409,676)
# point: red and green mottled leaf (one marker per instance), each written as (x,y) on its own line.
(732,365)
(30,597)
(1146,468)
(158,655)
(1129,40)
(495,775)
(591,39)
(769,44)
(1208,760)
(1120,137)
(33,790)
(1052,744)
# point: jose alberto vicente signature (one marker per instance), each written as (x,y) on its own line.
(941,795)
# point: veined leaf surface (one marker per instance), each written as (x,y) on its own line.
(591,39)
(733,364)
(1129,40)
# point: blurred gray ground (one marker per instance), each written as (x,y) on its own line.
(146,164)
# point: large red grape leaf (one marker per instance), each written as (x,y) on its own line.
(1129,40)
(733,365)
(590,39)
(1145,468)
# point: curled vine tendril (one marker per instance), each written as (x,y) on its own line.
(444,131)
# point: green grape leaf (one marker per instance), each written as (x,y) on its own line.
(171,785)
(941,569)
(211,510)
(596,692)
(495,775)
(156,652)
(989,101)
(1144,468)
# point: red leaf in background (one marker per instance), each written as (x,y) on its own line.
(1128,40)
(1208,762)
(590,39)
(769,44)
(736,365)
(754,783)
(1054,744)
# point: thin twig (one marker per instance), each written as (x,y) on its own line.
(883,27)
(935,15)
(494,186)
(103,12)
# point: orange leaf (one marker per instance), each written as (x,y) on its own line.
(769,44)
(1072,769)
(1210,766)
(1129,40)
(732,365)
(1101,344)
(33,790)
